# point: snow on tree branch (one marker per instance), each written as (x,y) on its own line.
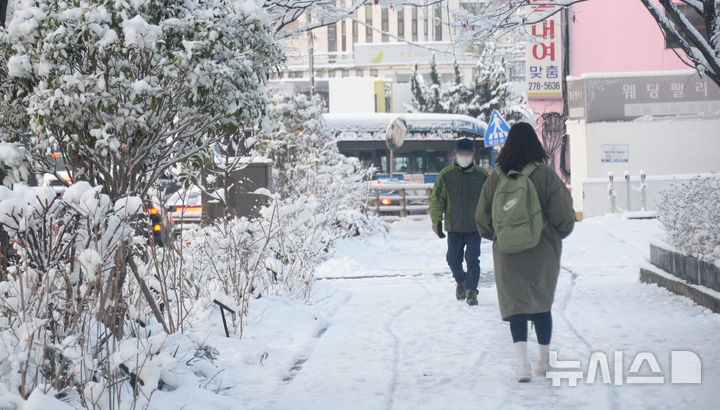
(702,52)
(124,91)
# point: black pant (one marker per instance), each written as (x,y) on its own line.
(469,244)
(543,326)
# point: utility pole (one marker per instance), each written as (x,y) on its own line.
(311,57)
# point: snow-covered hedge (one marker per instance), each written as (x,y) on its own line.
(61,297)
(690,213)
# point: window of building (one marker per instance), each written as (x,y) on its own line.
(385,24)
(401,23)
(332,38)
(345,73)
(358,73)
(414,24)
(438,23)
(343,36)
(355,32)
(426,22)
(368,24)
(373,72)
(295,74)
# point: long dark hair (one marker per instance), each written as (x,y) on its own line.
(521,148)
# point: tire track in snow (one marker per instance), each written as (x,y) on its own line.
(392,386)
(612,394)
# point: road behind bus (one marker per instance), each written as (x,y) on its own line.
(401,341)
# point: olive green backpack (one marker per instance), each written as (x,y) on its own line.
(516,212)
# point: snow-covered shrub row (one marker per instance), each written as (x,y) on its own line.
(690,213)
(75,319)
(309,168)
(127,89)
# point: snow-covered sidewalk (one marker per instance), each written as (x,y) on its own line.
(384,331)
(401,341)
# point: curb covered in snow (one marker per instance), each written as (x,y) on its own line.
(701,295)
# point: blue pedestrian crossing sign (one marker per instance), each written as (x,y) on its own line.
(497,130)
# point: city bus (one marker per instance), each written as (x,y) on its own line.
(427,149)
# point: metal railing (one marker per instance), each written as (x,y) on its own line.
(393,200)
(629,188)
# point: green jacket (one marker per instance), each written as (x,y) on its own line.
(455,197)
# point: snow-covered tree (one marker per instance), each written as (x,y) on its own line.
(492,90)
(418,90)
(489,90)
(700,45)
(309,169)
(427,96)
(127,89)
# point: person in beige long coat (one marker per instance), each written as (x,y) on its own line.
(526,280)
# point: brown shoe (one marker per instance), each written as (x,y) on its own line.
(471,297)
(460,291)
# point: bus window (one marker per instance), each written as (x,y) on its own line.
(410,162)
(401,164)
(366,159)
(436,161)
(383,168)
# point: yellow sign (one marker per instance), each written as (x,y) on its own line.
(383,96)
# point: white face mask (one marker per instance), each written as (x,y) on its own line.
(464,160)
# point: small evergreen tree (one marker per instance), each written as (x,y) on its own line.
(417,88)
(489,90)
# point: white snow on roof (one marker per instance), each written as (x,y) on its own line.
(662,73)
(417,122)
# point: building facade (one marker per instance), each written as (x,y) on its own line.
(633,108)
(377,48)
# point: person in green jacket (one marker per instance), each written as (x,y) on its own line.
(454,200)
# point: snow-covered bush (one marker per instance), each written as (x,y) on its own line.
(61,295)
(126,89)
(690,213)
(242,259)
(308,168)
(77,320)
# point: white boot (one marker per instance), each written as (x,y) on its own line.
(543,363)
(523,371)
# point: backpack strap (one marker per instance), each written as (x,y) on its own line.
(529,169)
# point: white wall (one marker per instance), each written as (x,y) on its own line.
(660,148)
(598,199)
(401,96)
(352,94)
(578,161)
